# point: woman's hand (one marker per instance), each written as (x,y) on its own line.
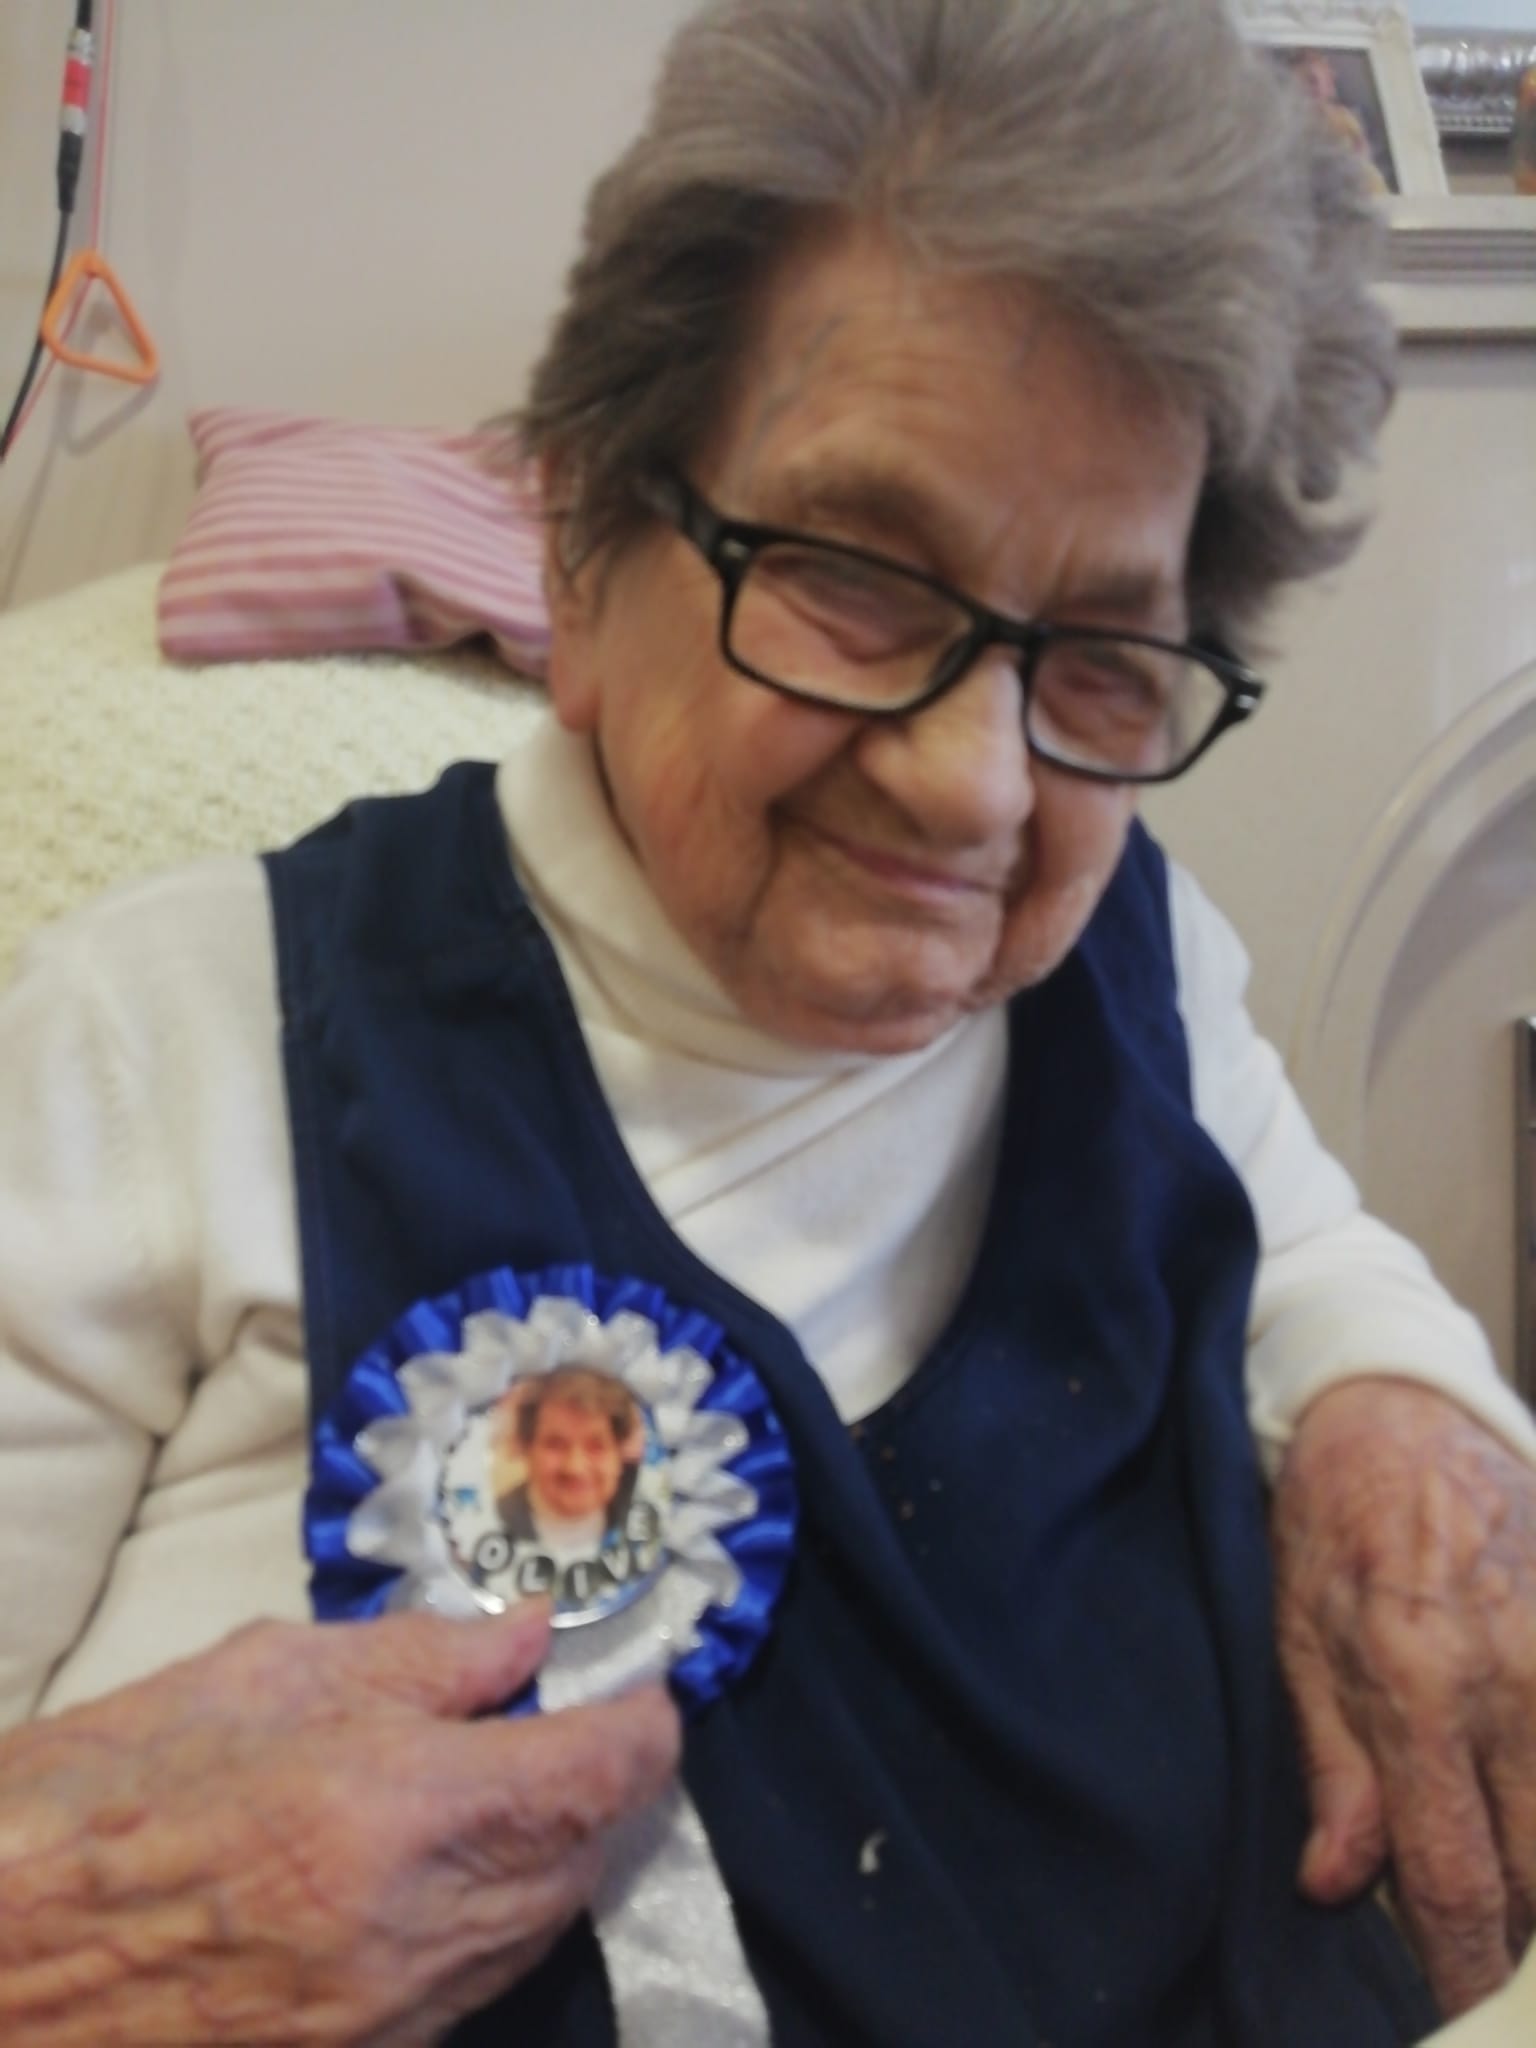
(1405,1544)
(300,1836)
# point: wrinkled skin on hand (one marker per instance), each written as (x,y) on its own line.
(1405,1545)
(301,1837)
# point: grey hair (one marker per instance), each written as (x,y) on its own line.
(1134,161)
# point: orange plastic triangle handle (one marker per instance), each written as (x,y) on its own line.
(82,268)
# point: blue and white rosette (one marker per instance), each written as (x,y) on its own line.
(396,1499)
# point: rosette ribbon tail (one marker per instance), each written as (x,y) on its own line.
(683,1564)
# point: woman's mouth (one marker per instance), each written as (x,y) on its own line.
(930,882)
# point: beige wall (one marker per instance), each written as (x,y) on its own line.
(346,206)
(1437,608)
(364,207)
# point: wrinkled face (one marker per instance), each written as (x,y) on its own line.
(574,1464)
(858,883)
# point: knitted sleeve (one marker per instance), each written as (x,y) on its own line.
(1338,1294)
(93,1368)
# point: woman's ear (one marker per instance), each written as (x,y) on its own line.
(570,594)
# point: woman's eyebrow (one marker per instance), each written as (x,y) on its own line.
(1129,594)
(879,504)
(891,511)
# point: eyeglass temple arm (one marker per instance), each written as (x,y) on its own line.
(665,493)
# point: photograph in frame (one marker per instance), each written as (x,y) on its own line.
(1356,59)
(1343,84)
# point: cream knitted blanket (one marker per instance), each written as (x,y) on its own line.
(114,761)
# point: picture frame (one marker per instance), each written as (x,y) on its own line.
(1459,267)
(1357,58)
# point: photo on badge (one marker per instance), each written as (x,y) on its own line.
(558,1487)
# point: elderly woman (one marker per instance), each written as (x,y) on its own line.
(942,393)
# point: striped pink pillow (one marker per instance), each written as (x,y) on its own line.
(314,536)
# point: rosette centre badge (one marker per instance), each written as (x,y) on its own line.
(561,1486)
(568,1436)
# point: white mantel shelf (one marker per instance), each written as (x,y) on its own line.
(1463,268)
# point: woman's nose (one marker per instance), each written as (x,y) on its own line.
(959,768)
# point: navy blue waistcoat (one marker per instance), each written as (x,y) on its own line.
(1027,1641)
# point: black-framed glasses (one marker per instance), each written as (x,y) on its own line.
(850,629)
